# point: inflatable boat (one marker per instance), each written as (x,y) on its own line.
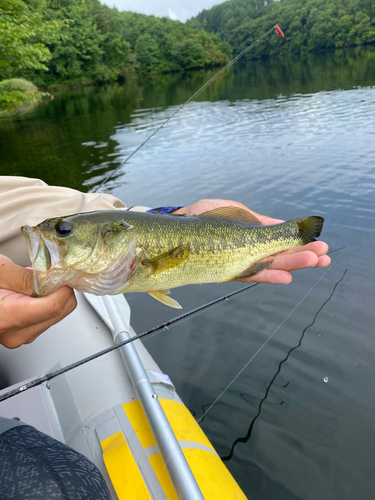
(119,410)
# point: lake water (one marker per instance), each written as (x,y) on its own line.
(289,138)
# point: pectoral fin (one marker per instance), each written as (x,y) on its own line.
(253,270)
(168,260)
(162,296)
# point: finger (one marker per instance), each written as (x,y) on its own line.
(299,261)
(323,261)
(283,276)
(293,262)
(267,221)
(17,335)
(53,307)
(271,276)
(13,339)
(210,204)
(32,311)
(17,278)
(318,247)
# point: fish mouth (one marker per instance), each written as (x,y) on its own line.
(44,256)
(43,252)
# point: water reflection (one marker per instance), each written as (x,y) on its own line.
(48,142)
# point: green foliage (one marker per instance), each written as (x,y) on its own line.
(23,38)
(309,25)
(17,93)
(84,41)
(23,35)
(101,44)
(147,52)
(162,45)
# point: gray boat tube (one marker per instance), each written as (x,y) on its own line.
(111,309)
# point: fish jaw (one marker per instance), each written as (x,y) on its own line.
(45,260)
(50,273)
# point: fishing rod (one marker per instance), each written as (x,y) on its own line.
(155,329)
(278,31)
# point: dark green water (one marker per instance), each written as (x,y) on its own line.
(288,138)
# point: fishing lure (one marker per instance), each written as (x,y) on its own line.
(278,31)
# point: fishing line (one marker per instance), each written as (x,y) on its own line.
(246,438)
(269,338)
(261,347)
(185,103)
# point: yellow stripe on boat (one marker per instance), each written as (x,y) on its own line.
(213,478)
(123,469)
(183,424)
(139,422)
(162,474)
(184,427)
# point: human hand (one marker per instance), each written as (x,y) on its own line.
(24,318)
(310,255)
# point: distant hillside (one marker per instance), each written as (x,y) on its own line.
(101,44)
(309,25)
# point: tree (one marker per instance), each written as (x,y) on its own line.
(101,44)
(79,54)
(190,54)
(309,25)
(146,51)
(23,38)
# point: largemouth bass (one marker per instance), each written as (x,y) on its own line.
(111,252)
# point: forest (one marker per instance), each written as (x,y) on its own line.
(96,43)
(59,43)
(309,25)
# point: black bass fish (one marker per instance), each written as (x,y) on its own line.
(111,252)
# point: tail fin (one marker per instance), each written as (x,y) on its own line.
(310,227)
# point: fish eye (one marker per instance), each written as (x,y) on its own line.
(63,228)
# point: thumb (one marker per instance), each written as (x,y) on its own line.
(16,278)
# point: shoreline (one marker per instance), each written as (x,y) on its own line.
(149,75)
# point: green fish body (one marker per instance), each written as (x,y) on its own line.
(112,252)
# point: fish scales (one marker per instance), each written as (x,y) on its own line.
(112,252)
(219,250)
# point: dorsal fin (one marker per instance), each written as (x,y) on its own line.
(235,213)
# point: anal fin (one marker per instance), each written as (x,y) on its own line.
(253,270)
(162,296)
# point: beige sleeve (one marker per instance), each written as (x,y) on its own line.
(25,201)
